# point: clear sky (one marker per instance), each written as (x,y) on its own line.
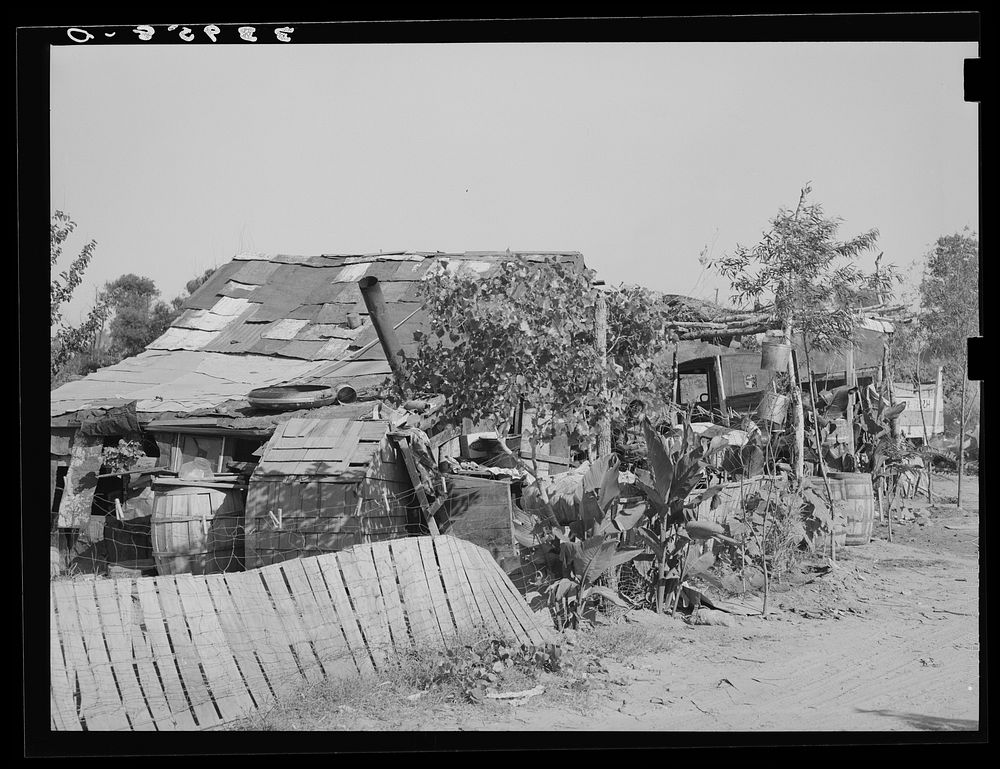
(639,155)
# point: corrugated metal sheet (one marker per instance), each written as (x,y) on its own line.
(286,328)
(351,273)
(203,320)
(230,306)
(207,293)
(183,339)
(256,272)
(236,289)
(305,350)
(176,381)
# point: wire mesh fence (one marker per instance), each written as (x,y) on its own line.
(206,540)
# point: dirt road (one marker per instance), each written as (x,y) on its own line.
(888,640)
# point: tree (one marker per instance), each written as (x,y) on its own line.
(949,315)
(139,318)
(195,283)
(67,341)
(524,332)
(528,332)
(811,280)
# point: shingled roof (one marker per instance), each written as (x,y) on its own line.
(263,320)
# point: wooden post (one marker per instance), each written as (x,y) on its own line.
(426,508)
(601,333)
(721,389)
(675,395)
(849,377)
(887,376)
(937,393)
(923,423)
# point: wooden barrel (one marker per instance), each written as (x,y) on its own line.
(197,529)
(858,496)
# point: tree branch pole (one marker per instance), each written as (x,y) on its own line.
(851,382)
(796,395)
(601,333)
(961,432)
(923,422)
(819,450)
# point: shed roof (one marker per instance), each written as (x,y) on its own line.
(321,448)
(263,320)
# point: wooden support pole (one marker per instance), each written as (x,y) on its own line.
(923,422)
(799,420)
(887,376)
(849,377)
(411,468)
(721,389)
(937,397)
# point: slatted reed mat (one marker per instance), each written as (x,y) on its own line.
(194,652)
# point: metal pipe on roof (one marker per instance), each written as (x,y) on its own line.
(378,313)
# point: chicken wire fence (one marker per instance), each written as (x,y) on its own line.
(143,546)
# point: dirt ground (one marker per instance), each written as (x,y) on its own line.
(887,640)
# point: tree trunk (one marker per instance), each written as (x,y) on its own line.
(601,332)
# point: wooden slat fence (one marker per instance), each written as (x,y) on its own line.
(195,652)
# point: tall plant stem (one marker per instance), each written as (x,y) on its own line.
(819,452)
(660,586)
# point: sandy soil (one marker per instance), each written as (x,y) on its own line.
(888,640)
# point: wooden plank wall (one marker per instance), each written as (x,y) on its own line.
(479,511)
(728,502)
(194,652)
(326,513)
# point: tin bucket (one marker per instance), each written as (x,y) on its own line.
(774,355)
(773,407)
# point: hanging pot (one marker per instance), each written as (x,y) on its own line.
(774,355)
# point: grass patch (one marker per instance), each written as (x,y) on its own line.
(412,685)
(623,641)
(420,686)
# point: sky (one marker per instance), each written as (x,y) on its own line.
(642,156)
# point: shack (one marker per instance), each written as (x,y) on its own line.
(721,379)
(260,321)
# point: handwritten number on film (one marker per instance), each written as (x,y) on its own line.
(146,32)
